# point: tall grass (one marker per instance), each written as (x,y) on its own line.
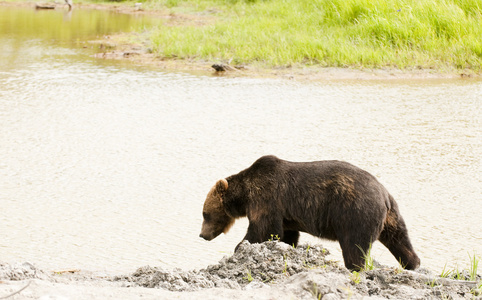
(340,33)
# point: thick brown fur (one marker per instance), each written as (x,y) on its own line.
(328,199)
(215,219)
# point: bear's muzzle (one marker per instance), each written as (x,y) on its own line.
(207,238)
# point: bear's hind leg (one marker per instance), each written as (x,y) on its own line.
(395,237)
(354,252)
(291,237)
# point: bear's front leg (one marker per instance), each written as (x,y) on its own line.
(291,237)
(263,230)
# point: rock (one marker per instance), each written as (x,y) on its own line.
(20,272)
(255,285)
(223,68)
(44,6)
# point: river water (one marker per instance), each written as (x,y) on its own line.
(105,166)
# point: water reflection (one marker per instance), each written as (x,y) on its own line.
(110,170)
(27,34)
(50,25)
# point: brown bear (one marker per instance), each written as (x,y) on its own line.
(328,199)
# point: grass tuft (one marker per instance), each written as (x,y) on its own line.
(474,263)
(456,273)
(248,276)
(337,33)
(369,260)
(355,277)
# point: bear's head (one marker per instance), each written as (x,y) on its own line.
(215,218)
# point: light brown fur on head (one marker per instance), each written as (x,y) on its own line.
(215,219)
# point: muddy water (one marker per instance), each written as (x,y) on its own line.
(105,167)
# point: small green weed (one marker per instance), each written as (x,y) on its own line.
(445,272)
(457,274)
(367,256)
(265,276)
(399,269)
(248,276)
(477,291)
(432,283)
(285,270)
(474,263)
(403,266)
(355,277)
(315,292)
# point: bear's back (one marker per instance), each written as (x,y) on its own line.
(271,163)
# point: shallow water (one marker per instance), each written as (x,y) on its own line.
(106,166)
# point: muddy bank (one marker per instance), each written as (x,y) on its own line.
(136,48)
(271,270)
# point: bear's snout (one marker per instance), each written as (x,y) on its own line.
(206,237)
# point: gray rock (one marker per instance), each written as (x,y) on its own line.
(20,271)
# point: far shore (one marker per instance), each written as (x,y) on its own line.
(117,47)
(134,47)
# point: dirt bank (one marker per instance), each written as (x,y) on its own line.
(271,270)
(136,49)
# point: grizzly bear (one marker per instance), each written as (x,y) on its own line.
(328,199)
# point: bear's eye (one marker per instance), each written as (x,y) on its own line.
(206,216)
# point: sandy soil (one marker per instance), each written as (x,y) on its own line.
(271,270)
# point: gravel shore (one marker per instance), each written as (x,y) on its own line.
(271,270)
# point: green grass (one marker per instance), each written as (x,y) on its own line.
(369,260)
(337,33)
(248,276)
(457,274)
(461,275)
(355,277)
(445,272)
(474,263)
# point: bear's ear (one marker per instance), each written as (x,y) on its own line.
(221,187)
